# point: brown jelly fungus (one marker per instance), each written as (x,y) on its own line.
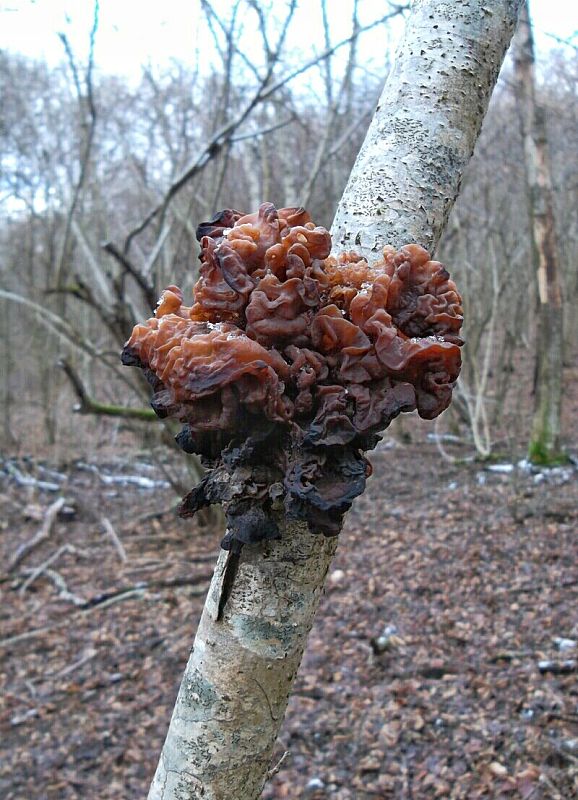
(292,361)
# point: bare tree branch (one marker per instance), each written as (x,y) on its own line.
(145,285)
(43,534)
(87,405)
(90,127)
(223,135)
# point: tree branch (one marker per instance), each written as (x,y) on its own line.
(90,127)
(223,135)
(86,404)
(145,285)
(407,174)
(43,534)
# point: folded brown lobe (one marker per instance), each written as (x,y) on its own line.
(291,362)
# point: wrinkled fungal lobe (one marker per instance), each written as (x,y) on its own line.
(291,361)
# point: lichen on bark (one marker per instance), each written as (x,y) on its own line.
(239,675)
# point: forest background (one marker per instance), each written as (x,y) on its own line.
(103,180)
(87,155)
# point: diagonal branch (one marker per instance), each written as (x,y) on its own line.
(144,284)
(224,134)
(89,124)
(222,733)
(87,405)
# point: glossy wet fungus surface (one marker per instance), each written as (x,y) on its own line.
(291,362)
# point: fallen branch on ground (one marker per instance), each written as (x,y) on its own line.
(168,583)
(27,480)
(113,536)
(44,533)
(104,601)
(64,592)
(36,572)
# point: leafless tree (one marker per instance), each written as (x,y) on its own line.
(236,685)
(85,155)
(544,446)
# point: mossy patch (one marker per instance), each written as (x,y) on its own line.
(540,455)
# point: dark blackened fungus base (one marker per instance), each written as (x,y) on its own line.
(291,362)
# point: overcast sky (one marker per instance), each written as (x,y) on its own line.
(132,32)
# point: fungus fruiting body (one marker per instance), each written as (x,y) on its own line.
(291,362)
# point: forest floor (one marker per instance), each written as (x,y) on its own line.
(442,664)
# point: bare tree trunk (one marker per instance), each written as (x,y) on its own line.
(7,348)
(234,693)
(239,676)
(544,447)
(408,172)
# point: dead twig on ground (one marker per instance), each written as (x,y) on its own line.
(75,665)
(103,601)
(44,533)
(158,564)
(168,583)
(21,637)
(36,572)
(28,480)
(113,535)
(64,592)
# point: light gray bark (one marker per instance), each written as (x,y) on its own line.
(407,174)
(238,679)
(239,676)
